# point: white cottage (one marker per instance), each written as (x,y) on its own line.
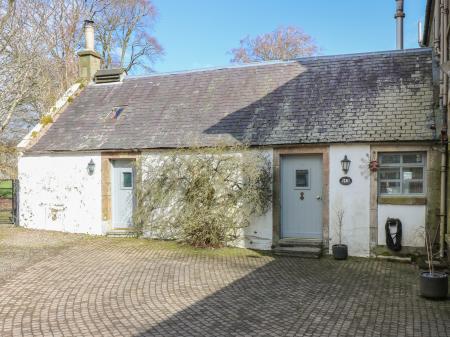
(308,115)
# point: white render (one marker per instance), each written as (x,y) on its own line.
(413,223)
(258,235)
(354,199)
(57,193)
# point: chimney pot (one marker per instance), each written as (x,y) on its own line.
(89,34)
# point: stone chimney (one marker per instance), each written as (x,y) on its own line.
(89,59)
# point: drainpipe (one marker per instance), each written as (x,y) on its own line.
(444,106)
(437,29)
(399,15)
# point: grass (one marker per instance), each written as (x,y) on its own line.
(6,189)
(189,250)
(6,184)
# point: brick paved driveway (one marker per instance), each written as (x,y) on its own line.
(114,287)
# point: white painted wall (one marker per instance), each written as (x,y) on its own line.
(354,199)
(413,223)
(258,235)
(57,193)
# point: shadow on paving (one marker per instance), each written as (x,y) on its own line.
(291,296)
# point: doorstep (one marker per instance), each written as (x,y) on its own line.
(122,233)
(299,247)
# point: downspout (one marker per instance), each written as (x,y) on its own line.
(437,30)
(444,106)
(399,15)
(426,27)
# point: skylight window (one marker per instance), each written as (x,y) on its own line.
(116,111)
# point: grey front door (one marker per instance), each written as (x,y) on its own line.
(122,188)
(301,196)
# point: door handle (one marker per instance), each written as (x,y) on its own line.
(318,197)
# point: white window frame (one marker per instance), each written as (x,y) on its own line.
(122,180)
(308,187)
(402,165)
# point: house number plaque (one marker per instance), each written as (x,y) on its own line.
(345,180)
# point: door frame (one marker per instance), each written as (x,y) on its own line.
(320,150)
(107,158)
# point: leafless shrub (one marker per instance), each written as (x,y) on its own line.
(203,197)
(430,245)
(340,222)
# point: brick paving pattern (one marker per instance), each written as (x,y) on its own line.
(107,288)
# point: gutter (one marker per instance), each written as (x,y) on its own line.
(422,142)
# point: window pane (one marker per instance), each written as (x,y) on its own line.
(127,179)
(391,158)
(301,178)
(412,187)
(412,173)
(389,173)
(413,158)
(390,187)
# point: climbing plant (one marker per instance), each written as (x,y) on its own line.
(203,197)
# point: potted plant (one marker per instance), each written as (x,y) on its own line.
(340,251)
(433,284)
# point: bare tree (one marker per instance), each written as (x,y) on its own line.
(38,44)
(284,43)
(124,35)
(6,11)
(62,25)
(23,66)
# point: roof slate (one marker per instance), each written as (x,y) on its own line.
(373,97)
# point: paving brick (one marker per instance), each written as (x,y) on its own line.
(112,287)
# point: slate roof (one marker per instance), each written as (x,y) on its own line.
(372,97)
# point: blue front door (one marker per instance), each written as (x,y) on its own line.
(122,188)
(301,196)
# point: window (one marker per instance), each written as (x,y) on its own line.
(127,180)
(117,111)
(401,174)
(302,178)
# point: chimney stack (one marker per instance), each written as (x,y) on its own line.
(399,15)
(89,59)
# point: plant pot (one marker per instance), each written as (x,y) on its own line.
(340,252)
(434,285)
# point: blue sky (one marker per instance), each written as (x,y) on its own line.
(199,33)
